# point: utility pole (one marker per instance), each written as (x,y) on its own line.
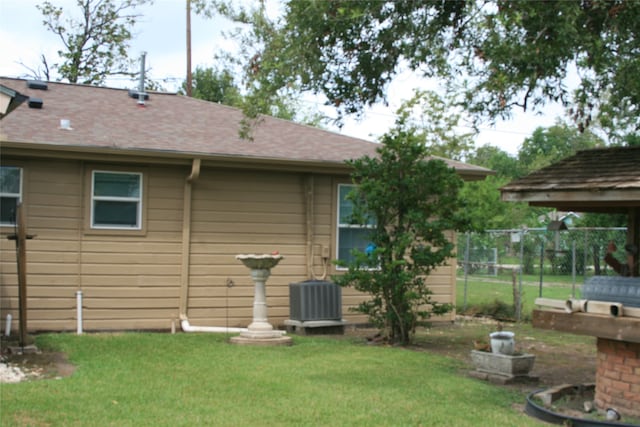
(189,81)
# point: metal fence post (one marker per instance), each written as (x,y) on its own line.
(573,268)
(519,299)
(541,267)
(466,269)
(585,251)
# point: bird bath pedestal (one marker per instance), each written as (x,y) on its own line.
(260,331)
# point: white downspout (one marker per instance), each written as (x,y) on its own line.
(186,248)
(187,327)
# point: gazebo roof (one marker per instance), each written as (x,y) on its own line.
(597,180)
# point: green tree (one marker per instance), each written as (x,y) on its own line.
(498,160)
(284,103)
(482,198)
(220,86)
(500,54)
(213,85)
(485,209)
(438,123)
(548,145)
(592,219)
(95,45)
(631,139)
(414,203)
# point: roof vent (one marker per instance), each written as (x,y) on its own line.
(135,94)
(37,84)
(65,124)
(35,102)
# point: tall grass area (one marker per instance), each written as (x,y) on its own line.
(145,379)
(486,295)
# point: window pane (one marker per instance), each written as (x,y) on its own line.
(346,206)
(9,180)
(110,213)
(116,184)
(8,210)
(352,238)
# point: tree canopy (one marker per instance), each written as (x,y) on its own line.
(95,44)
(500,54)
(214,86)
(219,85)
(549,145)
(544,147)
(437,123)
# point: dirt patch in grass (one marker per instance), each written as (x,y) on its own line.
(560,358)
(32,364)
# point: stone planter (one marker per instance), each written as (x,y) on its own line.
(503,368)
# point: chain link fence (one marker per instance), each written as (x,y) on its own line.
(563,257)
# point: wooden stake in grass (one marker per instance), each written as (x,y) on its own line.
(517,304)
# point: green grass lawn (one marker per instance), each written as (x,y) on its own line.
(484,291)
(146,379)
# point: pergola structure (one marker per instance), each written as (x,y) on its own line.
(604,180)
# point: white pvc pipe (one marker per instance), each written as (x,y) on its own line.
(79,311)
(552,303)
(7,326)
(613,309)
(574,305)
(616,310)
(186,327)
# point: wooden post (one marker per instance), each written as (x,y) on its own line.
(633,237)
(516,293)
(21,238)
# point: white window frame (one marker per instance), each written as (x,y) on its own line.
(137,200)
(13,195)
(341,226)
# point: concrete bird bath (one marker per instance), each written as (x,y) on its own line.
(260,331)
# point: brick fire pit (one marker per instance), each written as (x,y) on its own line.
(618,376)
(618,360)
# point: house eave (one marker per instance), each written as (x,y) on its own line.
(474,175)
(169,157)
(128,155)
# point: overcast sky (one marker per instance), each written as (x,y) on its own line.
(161,32)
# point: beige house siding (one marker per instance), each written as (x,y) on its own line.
(129,280)
(52,200)
(236,212)
(132,279)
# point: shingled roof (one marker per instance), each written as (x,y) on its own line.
(109,120)
(602,179)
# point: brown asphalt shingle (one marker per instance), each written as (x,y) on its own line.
(611,168)
(109,118)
